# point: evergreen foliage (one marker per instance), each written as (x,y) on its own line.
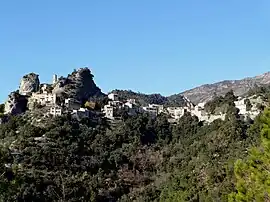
(221,104)
(137,159)
(2,108)
(253,174)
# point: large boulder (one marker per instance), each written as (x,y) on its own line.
(16,104)
(79,85)
(29,84)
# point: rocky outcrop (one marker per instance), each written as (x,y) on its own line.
(29,84)
(16,104)
(79,85)
(205,93)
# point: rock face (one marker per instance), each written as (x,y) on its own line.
(79,85)
(16,104)
(205,93)
(29,84)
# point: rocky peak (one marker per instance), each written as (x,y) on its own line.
(79,85)
(16,104)
(83,73)
(29,84)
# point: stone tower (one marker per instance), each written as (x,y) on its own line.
(55,79)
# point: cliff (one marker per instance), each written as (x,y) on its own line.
(16,104)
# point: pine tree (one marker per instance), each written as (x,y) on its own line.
(253,174)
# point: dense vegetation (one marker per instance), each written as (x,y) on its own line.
(2,109)
(144,99)
(263,91)
(253,174)
(221,104)
(139,159)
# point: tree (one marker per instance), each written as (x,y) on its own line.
(260,106)
(136,159)
(253,174)
(230,97)
(248,104)
(222,104)
(2,108)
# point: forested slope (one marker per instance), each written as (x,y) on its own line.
(139,159)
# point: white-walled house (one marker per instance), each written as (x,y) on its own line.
(241,105)
(43,98)
(81,113)
(152,111)
(56,111)
(160,108)
(108,111)
(132,101)
(199,112)
(129,105)
(254,111)
(72,104)
(176,112)
(113,97)
(117,104)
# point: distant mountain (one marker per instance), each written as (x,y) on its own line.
(206,92)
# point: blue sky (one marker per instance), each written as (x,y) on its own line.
(163,46)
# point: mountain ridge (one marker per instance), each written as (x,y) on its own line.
(206,92)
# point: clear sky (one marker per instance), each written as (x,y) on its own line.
(149,46)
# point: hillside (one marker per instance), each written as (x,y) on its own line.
(137,158)
(145,99)
(83,161)
(202,93)
(206,92)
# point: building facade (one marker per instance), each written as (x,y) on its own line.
(56,111)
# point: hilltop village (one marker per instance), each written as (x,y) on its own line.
(53,100)
(46,97)
(124,145)
(175,113)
